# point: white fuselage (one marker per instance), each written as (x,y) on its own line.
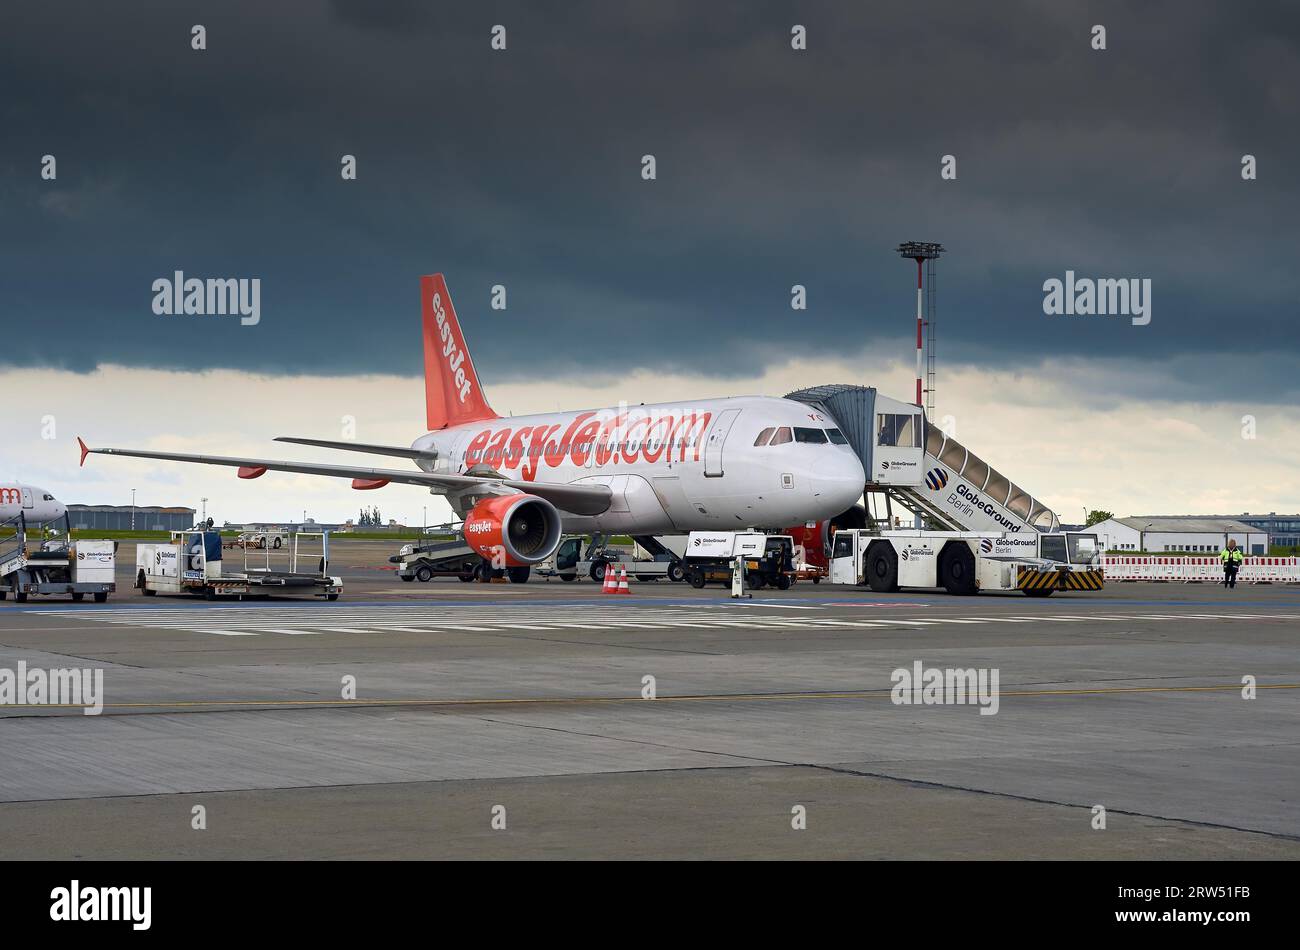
(672,467)
(36,504)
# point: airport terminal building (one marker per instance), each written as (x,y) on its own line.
(1283,530)
(119,517)
(1199,535)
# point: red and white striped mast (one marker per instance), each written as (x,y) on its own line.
(920,251)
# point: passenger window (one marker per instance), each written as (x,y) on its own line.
(837,437)
(782,436)
(843,547)
(764,436)
(810,436)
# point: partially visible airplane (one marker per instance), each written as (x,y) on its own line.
(36,504)
(520,482)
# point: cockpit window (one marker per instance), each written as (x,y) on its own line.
(812,436)
(764,436)
(837,437)
(782,436)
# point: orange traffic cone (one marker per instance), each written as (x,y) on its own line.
(623,587)
(611,584)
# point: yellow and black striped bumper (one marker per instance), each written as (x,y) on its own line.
(1028,578)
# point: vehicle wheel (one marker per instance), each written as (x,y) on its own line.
(406,577)
(518,575)
(331,596)
(568,577)
(482,574)
(882,568)
(676,573)
(423,574)
(3,594)
(80,597)
(276,544)
(598,571)
(817,580)
(101,596)
(21,597)
(783,582)
(1039,593)
(465,578)
(696,579)
(957,569)
(148,593)
(209,593)
(755,581)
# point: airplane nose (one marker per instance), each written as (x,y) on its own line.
(842,480)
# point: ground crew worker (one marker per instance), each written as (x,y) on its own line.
(1231,556)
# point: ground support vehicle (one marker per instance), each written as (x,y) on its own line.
(966,562)
(54,564)
(192,563)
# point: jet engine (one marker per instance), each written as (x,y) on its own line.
(513,530)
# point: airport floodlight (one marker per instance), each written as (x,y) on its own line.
(920,250)
(924,253)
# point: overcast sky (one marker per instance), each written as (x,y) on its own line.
(774,167)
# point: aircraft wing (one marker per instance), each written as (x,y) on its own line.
(576,499)
(401,451)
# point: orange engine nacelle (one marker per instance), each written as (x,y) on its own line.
(817,540)
(513,530)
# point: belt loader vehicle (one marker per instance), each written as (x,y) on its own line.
(55,565)
(191,563)
(423,562)
(966,562)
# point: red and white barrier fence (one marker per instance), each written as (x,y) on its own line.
(1155,567)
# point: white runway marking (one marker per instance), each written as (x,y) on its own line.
(431,618)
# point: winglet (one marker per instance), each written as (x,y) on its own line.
(84,450)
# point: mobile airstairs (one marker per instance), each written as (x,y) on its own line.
(913,463)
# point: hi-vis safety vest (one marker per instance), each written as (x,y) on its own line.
(1233,556)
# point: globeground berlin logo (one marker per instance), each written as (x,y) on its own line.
(936,478)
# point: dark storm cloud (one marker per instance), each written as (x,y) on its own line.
(522,168)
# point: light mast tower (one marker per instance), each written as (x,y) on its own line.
(925,254)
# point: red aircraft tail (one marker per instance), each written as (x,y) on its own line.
(451,388)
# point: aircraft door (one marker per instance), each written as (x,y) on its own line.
(717,437)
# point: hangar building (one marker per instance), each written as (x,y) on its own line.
(118,517)
(1158,533)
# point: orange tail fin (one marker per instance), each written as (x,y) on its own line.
(451,388)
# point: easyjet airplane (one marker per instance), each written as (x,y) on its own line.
(520,482)
(35,504)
